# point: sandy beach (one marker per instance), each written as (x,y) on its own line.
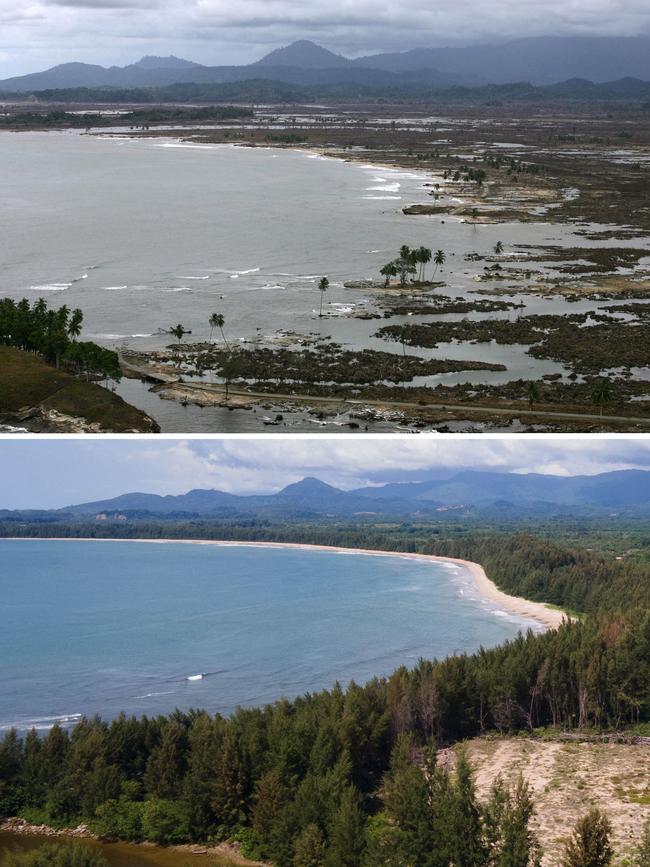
(549,617)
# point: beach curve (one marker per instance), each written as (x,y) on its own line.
(540,612)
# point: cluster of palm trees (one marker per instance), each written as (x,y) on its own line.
(412,262)
(216,320)
(36,328)
(52,334)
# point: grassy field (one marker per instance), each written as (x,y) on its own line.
(27,383)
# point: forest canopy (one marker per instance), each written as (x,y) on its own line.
(350,775)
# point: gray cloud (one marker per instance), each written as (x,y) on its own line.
(104,4)
(39,33)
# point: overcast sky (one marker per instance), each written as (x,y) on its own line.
(50,473)
(36,34)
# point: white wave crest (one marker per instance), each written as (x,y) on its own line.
(51,287)
(385,188)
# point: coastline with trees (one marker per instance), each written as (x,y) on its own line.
(356,775)
(50,381)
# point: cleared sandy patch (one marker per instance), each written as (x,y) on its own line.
(567,779)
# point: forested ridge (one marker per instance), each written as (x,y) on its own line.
(349,776)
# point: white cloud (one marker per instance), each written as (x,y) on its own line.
(44,473)
(352,461)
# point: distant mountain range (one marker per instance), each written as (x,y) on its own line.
(464,493)
(537,60)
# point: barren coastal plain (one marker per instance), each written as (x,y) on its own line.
(536,316)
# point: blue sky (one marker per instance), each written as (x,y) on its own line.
(49,472)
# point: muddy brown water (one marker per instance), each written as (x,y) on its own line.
(117,854)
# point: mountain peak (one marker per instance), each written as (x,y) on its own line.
(150,61)
(305,54)
(308,486)
(471,489)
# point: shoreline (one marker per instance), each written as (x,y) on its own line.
(164,855)
(540,612)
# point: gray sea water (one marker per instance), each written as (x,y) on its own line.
(101,627)
(144,234)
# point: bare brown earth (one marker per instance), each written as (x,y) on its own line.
(567,780)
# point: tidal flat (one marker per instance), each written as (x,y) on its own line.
(545,278)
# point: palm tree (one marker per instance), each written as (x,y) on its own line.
(60,317)
(74,325)
(406,263)
(230,369)
(217,321)
(498,248)
(602,393)
(322,288)
(438,259)
(423,255)
(405,252)
(389,270)
(178,331)
(532,392)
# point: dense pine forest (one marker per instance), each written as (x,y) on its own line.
(349,776)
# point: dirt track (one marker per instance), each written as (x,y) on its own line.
(215,394)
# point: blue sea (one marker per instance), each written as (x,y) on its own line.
(102,627)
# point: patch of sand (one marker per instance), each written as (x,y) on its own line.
(567,780)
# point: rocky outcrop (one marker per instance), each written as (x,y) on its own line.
(16,825)
(39,419)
